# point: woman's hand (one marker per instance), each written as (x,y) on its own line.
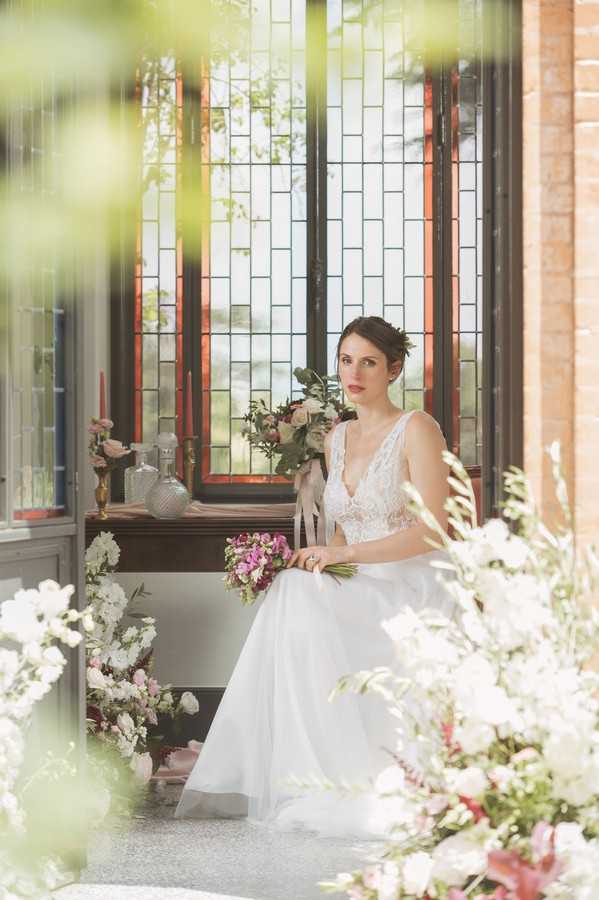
(311,558)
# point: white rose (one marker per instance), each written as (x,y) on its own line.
(119,659)
(50,674)
(36,690)
(566,753)
(19,618)
(514,553)
(312,405)
(417,869)
(9,665)
(495,531)
(71,638)
(54,600)
(390,780)
(189,703)
(299,417)
(287,432)
(469,782)
(32,652)
(462,855)
(95,678)
(502,776)
(53,656)
(125,723)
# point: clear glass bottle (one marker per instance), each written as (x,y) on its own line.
(168,498)
(140,477)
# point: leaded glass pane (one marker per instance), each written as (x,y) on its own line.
(254,258)
(379,173)
(37,326)
(467,230)
(159,280)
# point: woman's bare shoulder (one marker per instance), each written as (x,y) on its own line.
(422,425)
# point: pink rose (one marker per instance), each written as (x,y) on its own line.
(106,424)
(95,428)
(95,662)
(153,687)
(139,678)
(98,462)
(114,449)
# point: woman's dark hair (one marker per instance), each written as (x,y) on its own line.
(391,341)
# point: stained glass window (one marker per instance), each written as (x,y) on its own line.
(253,280)
(253,303)
(380,183)
(37,328)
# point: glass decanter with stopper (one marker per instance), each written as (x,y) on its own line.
(168,498)
(140,477)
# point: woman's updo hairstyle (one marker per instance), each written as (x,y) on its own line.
(391,341)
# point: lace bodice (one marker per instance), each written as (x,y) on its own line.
(378,506)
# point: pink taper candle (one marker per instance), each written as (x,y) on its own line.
(189,409)
(102,395)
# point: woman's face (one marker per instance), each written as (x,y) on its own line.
(363,370)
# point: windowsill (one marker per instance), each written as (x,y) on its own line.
(197,511)
(194,542)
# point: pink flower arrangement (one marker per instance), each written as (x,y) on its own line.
(253,560)
(104,451)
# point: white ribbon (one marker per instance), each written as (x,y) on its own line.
(309,485)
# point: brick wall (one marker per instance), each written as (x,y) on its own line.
(561,250)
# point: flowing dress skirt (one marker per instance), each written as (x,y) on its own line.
(275,721)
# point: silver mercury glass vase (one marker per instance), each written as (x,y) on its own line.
(168,498)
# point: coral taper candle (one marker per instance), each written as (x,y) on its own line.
(189,409)
(102,395)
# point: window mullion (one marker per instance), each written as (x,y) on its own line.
(443,374)
(316,139)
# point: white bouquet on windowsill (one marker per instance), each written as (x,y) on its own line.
(31,625)
(500,717)
(124,700)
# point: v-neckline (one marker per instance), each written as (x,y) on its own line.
(371,460)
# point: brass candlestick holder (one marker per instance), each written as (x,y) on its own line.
(101,494)
(189,461)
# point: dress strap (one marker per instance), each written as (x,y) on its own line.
(401,433)
(337,444)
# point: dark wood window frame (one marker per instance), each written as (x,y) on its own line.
(502,291)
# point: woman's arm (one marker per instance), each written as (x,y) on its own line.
(428,473)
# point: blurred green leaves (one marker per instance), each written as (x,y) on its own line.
(71,115)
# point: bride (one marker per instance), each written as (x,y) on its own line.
(274,721)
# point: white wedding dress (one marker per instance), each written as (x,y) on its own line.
(275,720)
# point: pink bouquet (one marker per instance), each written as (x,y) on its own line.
(253,560)
(104,452)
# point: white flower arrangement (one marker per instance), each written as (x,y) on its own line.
(123,699)
(495,789)
(30,663)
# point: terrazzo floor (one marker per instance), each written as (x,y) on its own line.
(157,857)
